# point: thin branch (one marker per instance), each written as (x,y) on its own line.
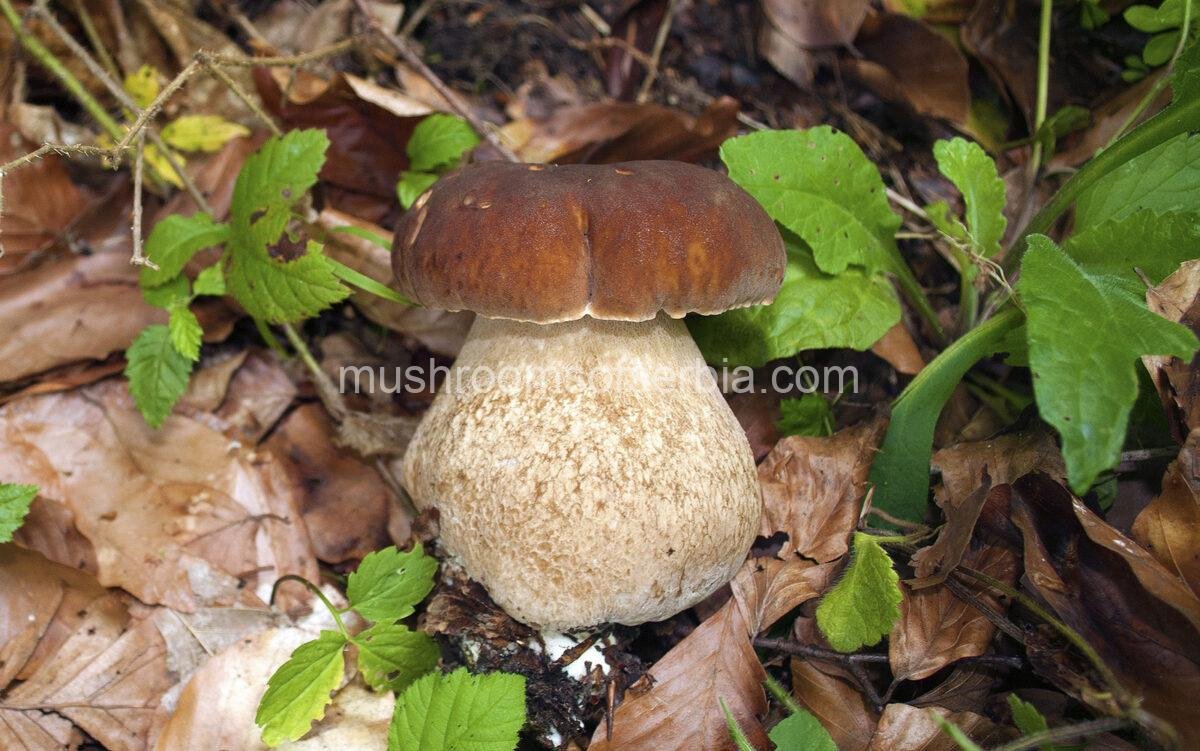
(853,663)
(156,106)
(240,93)
(139,259)
(1065,733)
(414,20)
(93,35)
(283,61)
(660,42)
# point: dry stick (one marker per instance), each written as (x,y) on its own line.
(854,663)
(414,60)
(660,41)
(138,258)
(241,94)
(89,29)
(282,61)
(416,18)
(38,153)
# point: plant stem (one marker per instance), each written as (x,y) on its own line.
(51,63)
(916,295)
(1043,83)
(1161,82)
(1065,733)
(337,615)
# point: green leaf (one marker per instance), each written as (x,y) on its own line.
(1147,18)
(801,731)
(157,373)
(1080,323)
(974,174)
(210,281)
(14,505)
(389,584)
(1029,721)
(365,234)
(808,415)
(459,712)
(957,735)
(299,690)
(412,185)
(392,656)
(735,731)
(282,291)
(439,141)
(1165,178)
(185,332)
(201,132)
(177,291)
(864,605)
(366,283)
(173,242)
(813,310)
(1145,241)
(275,177)
(142,85)
(819,185)
(1160,48)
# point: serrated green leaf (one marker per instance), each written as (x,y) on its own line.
(157,373)
(210,281)
(813,310)
(801,731)
(173,242)
(864,605)
(459,712)
(1080,323)
(177,291)
(957,735)
(282,291)
(276,176)
(201,132)
(974,174)
(1146,241)
(142,85)
(809,415)
(439,141)
(299,689)
(735,731)
(389,584)
(185,331)
(819,184)
(1165,178)
(412,185)
(392,656)
(14,505)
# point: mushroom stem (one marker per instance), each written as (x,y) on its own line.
(587,471)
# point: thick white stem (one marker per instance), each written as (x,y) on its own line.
(587,471)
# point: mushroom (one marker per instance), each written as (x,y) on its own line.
(585,466)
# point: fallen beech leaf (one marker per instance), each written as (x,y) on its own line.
(906,728)
(824,690)
(899,350)
(813,488)
(817,23)
(258,394)
(682,708)
(1140,617)
(605,132)
(936,628)
(1177,298)
(1170,526)
(40,201)
(180,516)
(905,60)
(766,589)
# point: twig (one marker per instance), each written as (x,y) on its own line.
(1051,736)
(156,106)
(89,29)
(414,20)
(39,152)
(240,93)
(660,41)
(139,259)
(283,61)
(904,203)
(854,663)
(414,60)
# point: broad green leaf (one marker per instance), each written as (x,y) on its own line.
(389,584)
(801,731)
(282,291)
(176,291)
(1150,19)
(974,174)
(210,281)
(735,731)
(142,85)
(864,605)
(957,735)
(275,177)
(299,689)
(201,132)
(14,505)
(1084,324)
(157,373)
(459,712)
(1146,241)
(1165,178)
(808,415)
(1030,721)
(819,185)
(412,185)
(813,310)
(439,141)
(185,332)
(392,656)
(1160,48)
(173,242)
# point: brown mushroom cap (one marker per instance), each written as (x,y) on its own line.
(544,243)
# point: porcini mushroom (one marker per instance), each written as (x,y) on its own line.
(582,471)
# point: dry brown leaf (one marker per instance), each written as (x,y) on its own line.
(906,728)
(813,489)
(40,201)
(181,516)
(1141,618)
(899,350)
(936,627)
(682,711)
(258,394)
(835,702)
(905,60)
(1170,526)
(605,132)
(766,589)
(817,23)
(1178,383)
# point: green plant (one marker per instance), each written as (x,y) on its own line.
(808,415)
(799,731)
(433,711)
(14,505)
(437,144)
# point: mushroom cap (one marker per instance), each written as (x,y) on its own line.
(545,243)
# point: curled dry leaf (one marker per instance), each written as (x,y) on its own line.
(906,728)
(766,589)
(829,693)
(817,23)
(1170,526)
(40,201)
(1177,298)
(1141,618)
(605,132)
(181,516)
(813,489)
